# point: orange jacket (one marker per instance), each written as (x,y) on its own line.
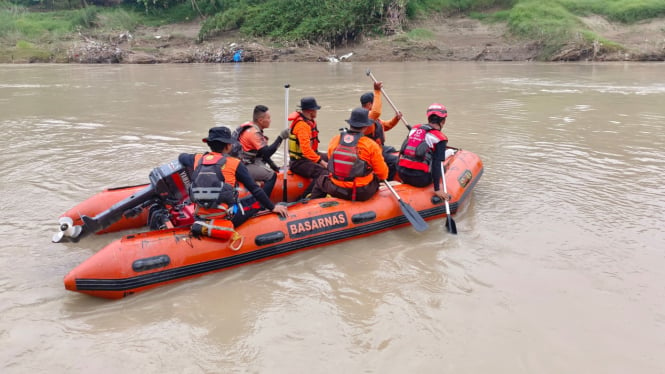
(369,151)
(374,114)
(307,141)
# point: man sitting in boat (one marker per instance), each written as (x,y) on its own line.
(304,155)
(372,102)
(253,149)
(356,162)
(214,177)
(424,150)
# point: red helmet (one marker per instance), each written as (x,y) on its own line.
(437,109)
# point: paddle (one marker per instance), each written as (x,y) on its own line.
(369,73)
(286,141)
(450,222)
(411,214)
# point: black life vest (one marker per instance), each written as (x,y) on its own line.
(345,165)
(208,188)
(379,135)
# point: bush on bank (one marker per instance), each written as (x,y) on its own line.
(553,24)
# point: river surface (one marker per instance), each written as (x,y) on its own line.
(558,266)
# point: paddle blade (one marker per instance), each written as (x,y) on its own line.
(416,220)
(451,226)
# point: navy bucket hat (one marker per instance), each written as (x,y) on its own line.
(309,103)
(359,118)
(220,134)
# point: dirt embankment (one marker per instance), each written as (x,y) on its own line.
(455,39)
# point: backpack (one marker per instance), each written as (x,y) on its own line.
(208,188)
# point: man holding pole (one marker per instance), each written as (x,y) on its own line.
(372,102)
(253,150)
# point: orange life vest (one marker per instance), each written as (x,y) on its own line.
(295,151)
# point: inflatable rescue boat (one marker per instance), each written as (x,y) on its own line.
(168,252)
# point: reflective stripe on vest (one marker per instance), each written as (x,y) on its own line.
(412,155)
(345,164)
(295,152)
(228,173)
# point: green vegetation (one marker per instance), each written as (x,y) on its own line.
(553,23)
(556,23)
(627,11)
(420,34)
(423,8)
(322,21)
(550,23)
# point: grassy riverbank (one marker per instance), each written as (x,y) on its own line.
(422,30)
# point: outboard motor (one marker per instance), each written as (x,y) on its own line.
(169,184)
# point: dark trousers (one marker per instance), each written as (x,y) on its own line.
(249,209)
(269,184)
(416,178)
(308,169)
(324,186)
(391,159)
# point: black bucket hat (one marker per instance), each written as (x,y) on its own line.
(359,118)
(309,103)
(219,134)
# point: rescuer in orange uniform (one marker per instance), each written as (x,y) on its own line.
(215,176)
(356,163)
(377,130)
(304,155)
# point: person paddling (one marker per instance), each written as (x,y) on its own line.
(372,102)
(424,150)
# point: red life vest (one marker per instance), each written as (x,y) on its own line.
(416,153)
(345,165)
(294,145)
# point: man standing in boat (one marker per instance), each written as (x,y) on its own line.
(305,158)
(372,102)
(424,150)
(356,162)
(253,149)
(215,176)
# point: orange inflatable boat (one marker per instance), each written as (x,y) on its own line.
(145,260)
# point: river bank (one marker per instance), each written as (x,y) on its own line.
(451,39)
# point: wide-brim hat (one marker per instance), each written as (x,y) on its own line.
(359,118)
(220,134)
(309,103)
